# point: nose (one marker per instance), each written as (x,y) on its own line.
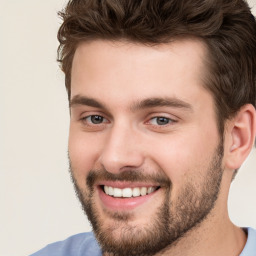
(121,150)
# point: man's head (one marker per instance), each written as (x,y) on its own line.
(151,86)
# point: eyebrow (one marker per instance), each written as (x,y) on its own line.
(161,102)
(143,104)
(83,100)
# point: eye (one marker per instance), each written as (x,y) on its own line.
(94,119)
(160,120)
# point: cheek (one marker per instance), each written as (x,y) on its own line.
(173,160)
(83,151)
(182,155)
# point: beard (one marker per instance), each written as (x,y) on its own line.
(172,219)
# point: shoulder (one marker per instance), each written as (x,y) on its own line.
(83,244)
(250,246)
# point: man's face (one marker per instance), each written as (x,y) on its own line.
(144,147)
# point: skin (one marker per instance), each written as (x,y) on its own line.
(118,75)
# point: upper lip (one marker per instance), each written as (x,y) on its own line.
(125,184)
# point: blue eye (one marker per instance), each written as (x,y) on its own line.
(160,120)
(95,119)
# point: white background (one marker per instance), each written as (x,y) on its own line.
(37,202)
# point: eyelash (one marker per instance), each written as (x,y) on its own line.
(85,120)
(157,118)
(152,121)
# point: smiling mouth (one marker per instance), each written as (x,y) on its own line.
(128,192)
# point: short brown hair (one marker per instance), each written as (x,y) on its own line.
(226,26)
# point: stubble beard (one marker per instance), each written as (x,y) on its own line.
(172,220)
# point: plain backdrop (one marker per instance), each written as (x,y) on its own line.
(37,202)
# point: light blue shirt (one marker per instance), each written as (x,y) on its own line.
(85,244)
(250,246)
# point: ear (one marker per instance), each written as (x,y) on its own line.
(240,134)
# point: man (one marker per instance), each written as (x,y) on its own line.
(162,114)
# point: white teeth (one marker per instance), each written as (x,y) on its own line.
(151,189)
(136,192)
(106,189)
(118,192)
(128,192)
(143,191)
(110,191)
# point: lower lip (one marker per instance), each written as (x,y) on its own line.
(122,203)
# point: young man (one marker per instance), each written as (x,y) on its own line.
(162,103)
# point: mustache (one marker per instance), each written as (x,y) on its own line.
(129,176)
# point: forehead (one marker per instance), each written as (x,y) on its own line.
(126,70)
(95,53)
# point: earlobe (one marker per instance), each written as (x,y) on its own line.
(242,136)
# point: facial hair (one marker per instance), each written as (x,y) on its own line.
(171,221)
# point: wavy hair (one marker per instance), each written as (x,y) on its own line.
(227,27)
